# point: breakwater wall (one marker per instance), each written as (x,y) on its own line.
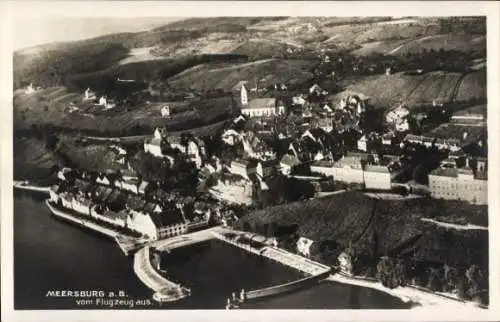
(287,287)
(314,270)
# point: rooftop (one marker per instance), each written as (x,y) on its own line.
(167,218)
(83,186)
(453,131)
(377,168)
(136,203)
(257,103)
(102,193)
(454,172)
(115,215)
(290,160)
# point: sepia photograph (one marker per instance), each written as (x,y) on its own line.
(256,162)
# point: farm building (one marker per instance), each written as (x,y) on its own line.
(89,95)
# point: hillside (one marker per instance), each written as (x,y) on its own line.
(225,76)
(387,90)
(373,226)
(32,159)
(254,37)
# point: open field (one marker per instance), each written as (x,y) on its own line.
(225,76)
(364,33)
(139,54)
(49,105)
(463,43)
(378,47)
(417,89)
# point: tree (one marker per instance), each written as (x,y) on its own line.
(391,272)
(461,287)
(420,174)
(434,282)
(450,278)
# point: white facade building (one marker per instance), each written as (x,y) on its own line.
(244,95)
(304,246)
(165,111)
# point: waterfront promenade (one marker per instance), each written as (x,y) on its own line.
(166,245)
(128,244)
(277,254)
(65,214)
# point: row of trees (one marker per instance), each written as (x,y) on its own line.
(469,283)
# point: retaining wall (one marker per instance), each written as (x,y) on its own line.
(81,222)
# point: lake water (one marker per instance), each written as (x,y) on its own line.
(51,255)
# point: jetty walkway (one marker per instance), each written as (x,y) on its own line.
(165,290)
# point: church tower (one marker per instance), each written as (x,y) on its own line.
(244,95)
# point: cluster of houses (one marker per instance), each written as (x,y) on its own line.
(103,101)
(121,203)
(397,118)
(466,127)
(463,175)
(30,89)
(160,144)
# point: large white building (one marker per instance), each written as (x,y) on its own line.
(355,168)
(262,107)
(377,177)
(460,183)
(304,246)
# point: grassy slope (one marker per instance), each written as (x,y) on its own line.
(92,157)
(31,159)
(388,90)
(226,76)
(347,218)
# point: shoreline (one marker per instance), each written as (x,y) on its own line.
(423,299)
